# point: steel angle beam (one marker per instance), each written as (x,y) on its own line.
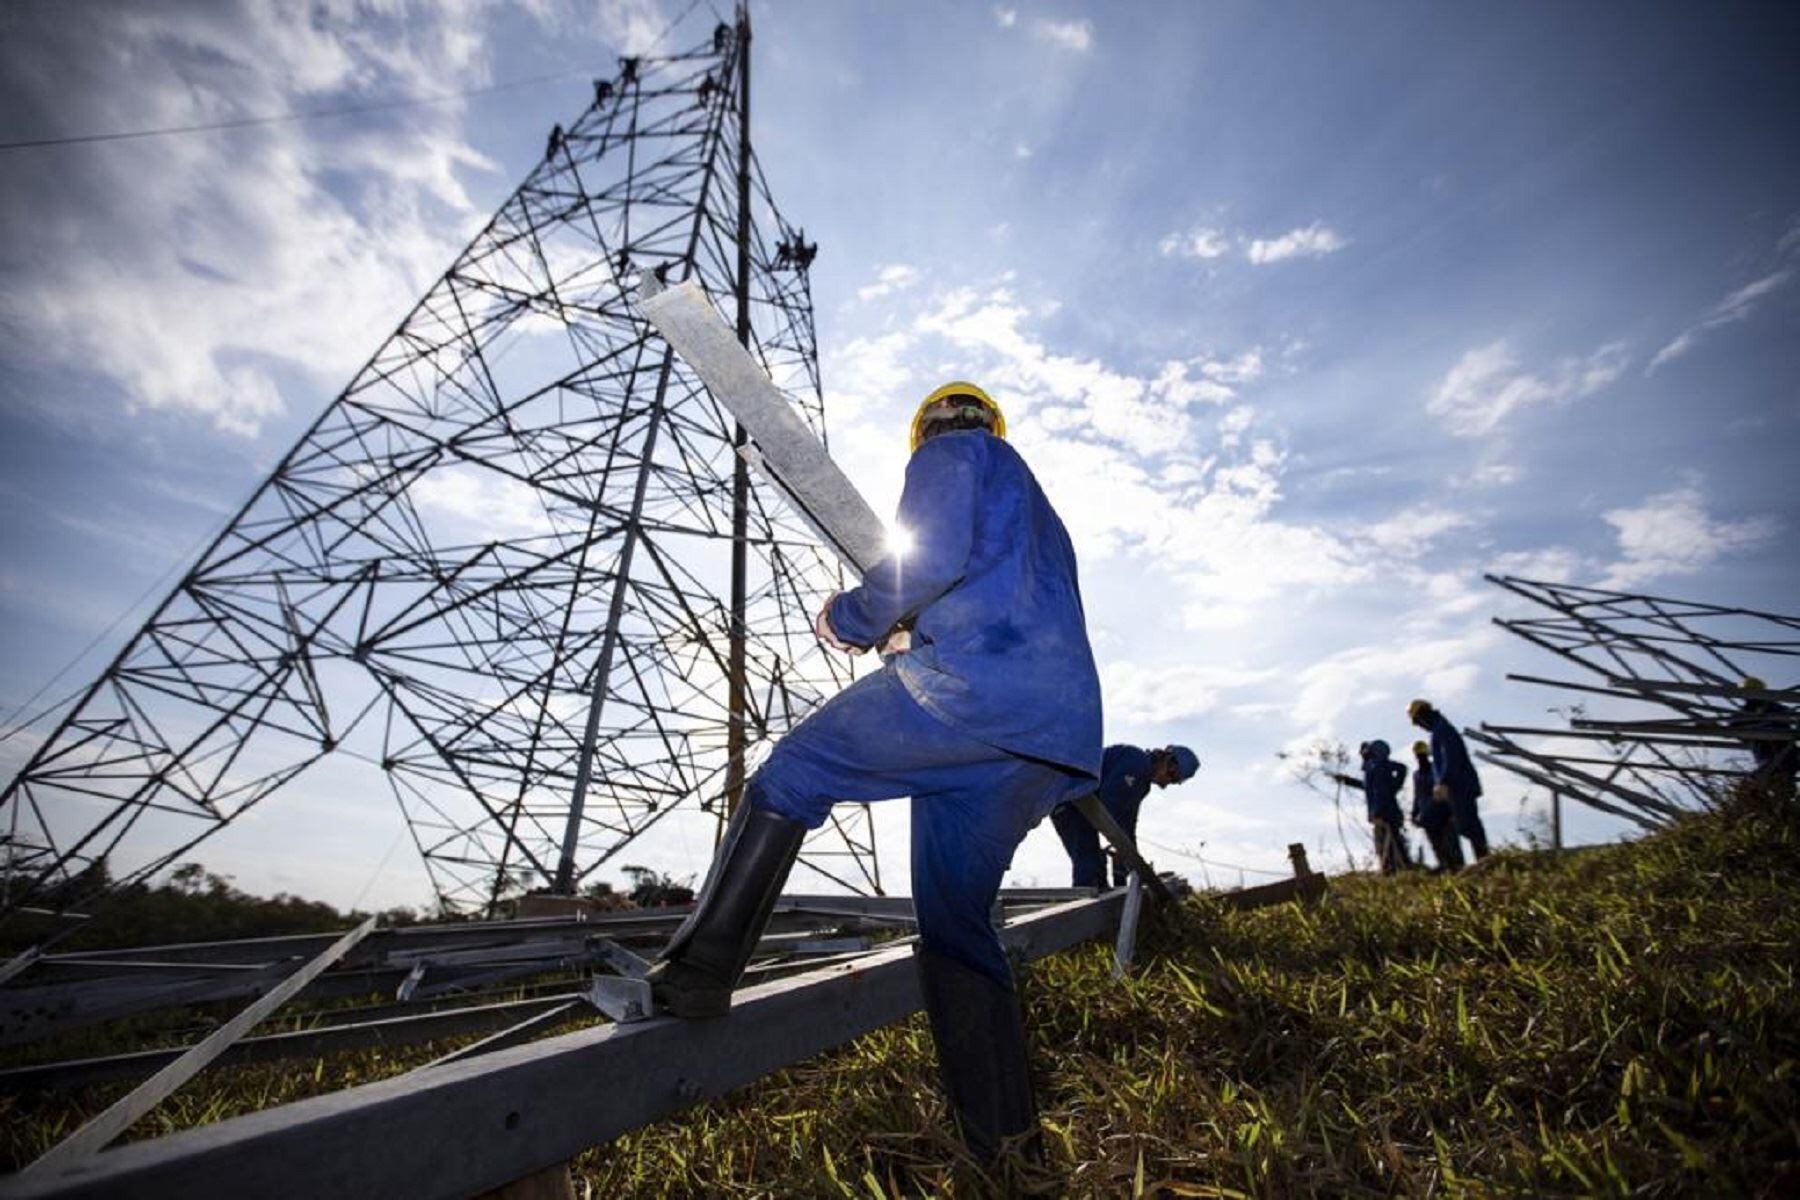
(390,1031)
(1101,820)
(789,454)
(471,1126)
(94,1136)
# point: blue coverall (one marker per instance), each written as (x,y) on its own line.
(1124,782)
(1433,816)
(1382,780)
(1451,764)
(989,721)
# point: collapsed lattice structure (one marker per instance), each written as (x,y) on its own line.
(1682,660)
(516,569)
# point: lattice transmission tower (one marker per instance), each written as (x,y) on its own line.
(516,570)
(1675,725)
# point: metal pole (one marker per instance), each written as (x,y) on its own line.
(740,474)
(584,769)
(1556,820)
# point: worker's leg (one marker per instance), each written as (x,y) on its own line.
(869,742)
(1445,846)
(1082,841)
(963,839)
(1468,824)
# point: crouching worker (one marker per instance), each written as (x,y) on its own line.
(987,714)
(1126,773)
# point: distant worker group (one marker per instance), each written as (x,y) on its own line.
(1446,791)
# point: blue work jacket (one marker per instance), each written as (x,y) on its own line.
(999,640)
(1427,811)
(1450,760)
(1124,782)
(1382,779)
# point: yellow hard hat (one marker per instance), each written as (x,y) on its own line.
(1415,708)
(1421,749)
(956,387)
(1752,684)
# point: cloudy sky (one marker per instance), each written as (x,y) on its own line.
(1305,315)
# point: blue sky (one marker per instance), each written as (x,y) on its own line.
(1306,315)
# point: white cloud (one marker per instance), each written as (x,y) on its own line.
(1390,674)
(1006,18)
(1492,474)
(889,279)
(1201,242)
(1312,241)
(465,503)
(1487,384)
(1410,532)
(1672,534)
(192,264)
(1139,694)
(1069,35)
(1733,308)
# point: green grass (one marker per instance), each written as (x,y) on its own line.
(1618,1022)
(1622,1021)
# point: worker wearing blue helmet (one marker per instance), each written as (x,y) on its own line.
(1126,776)
(986,712)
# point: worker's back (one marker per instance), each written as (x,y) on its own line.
(1003,654)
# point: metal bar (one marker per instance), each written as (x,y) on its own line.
(18,962)
(1612,736)
(1126,946)
(470,1126)
(615,614)
(740,470)
(1506,747)
(1711,689)
(1704,728)
(403,1030)
(512,1035)
(793,457)
(1122,844)
(93,1137)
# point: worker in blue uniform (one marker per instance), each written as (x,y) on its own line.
(1768,722)
(1433,815)
(986,711)
(1454,771)
(1126,776)
(1380,785)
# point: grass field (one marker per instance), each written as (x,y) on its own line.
(1619,1021)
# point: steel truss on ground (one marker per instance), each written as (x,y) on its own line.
(844,987)
(516,573)
(1681,664)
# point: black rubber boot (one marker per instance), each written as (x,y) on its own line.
(982,1058)
(703,961)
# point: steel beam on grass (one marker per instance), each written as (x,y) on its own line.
(386,1032)
(472,1126)
(98,1133)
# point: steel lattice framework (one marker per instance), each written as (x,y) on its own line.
(1681,660)
(516,568)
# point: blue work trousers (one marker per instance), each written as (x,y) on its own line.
(1087,858)
(972,803)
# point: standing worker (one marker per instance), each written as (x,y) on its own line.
(1776,760)
(1454,772)
(986,711)
(1380,785)
(1126,773)
(1433,815)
